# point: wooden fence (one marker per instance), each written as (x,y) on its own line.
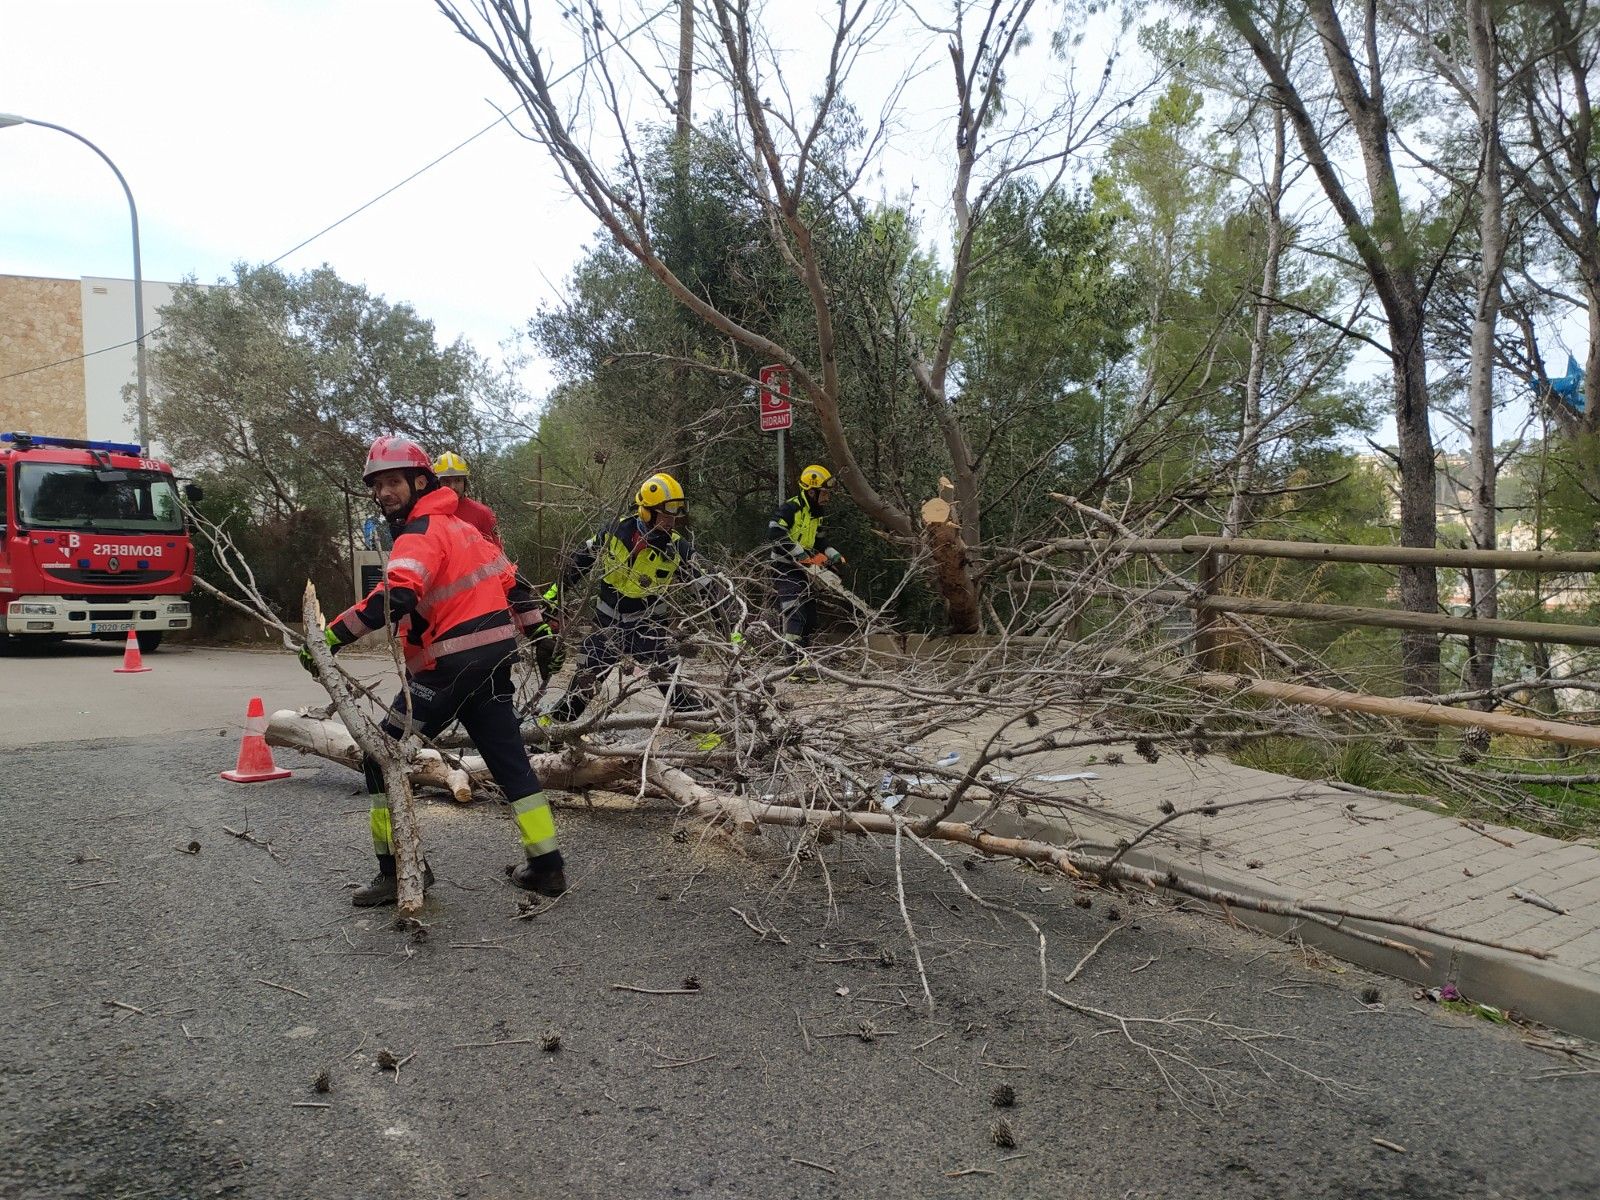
(1209,605)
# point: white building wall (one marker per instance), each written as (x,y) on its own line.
(108,321)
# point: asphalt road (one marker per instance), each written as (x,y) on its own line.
(71,690)
(168,1012)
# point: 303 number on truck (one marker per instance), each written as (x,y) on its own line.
(93,541)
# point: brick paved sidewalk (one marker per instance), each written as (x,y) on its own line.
(1311,840)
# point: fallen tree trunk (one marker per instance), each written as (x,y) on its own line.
(459,775)
(1076,865)
(328,738)
(574,770)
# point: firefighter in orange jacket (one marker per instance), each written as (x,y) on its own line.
(447,591)
(534,615)
(452,471)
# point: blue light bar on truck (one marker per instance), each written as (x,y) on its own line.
(27,441)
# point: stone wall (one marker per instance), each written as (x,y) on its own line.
(41,322)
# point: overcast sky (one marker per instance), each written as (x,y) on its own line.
(244,126)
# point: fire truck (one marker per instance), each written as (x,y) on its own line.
(92,541)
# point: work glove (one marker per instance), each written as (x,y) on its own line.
(309,663)
(834,558)
(550,602)
(547,649)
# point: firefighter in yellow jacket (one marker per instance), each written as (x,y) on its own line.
(638,558)
(797,542)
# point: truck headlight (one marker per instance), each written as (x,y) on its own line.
(178,608)
(33,610)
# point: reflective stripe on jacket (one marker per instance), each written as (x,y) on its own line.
(637,570)
(636,564)
(445,587)
(796,532)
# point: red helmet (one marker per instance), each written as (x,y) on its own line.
(394,454)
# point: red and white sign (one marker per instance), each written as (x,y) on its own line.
(776,412)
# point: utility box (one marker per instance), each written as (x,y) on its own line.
(368,570)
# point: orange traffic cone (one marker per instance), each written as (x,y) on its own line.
(132,660)
(255,756)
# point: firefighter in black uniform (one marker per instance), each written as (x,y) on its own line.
(797,543)
(638,557)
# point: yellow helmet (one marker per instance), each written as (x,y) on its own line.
(450,463)
(815,477)
(660,491)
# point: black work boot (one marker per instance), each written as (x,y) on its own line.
(543,873)
(384,888)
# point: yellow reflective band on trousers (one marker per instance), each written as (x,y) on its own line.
(535,823)
(378,818)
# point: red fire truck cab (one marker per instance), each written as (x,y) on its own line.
(93,541)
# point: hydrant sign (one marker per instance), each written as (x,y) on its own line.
(775,411)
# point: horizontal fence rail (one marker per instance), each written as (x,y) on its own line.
(1207,603)
(1393,618)
(1548,561)
(971,647)
(1211,609)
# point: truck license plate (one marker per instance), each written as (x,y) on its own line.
(110,626)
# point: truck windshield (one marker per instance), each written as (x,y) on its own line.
(59,496)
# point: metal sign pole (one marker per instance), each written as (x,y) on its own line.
(773,414)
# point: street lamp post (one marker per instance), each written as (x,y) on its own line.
(8,119)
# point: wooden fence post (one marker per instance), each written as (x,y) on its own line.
(1075,622)
(1207,649)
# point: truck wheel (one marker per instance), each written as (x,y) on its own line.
(149,640)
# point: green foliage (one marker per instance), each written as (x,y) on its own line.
(1578,803)
(553,491)
(1553,485)
(1103,342)
(1550,489)
(274,385)
(270,388)
(647,384)
(1042,314)
(1362,763)
(1045,317)
(284,550)
(1196,248)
